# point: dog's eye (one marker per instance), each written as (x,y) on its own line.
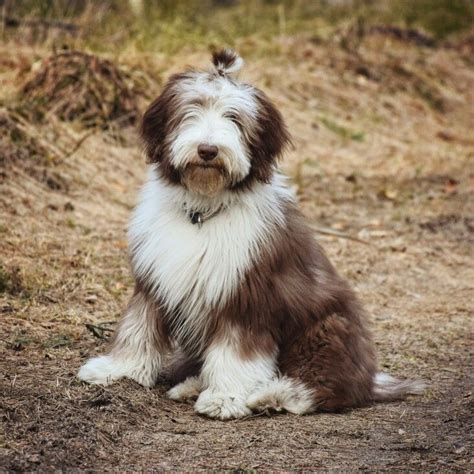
(234,117)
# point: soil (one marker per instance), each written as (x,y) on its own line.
(383,167)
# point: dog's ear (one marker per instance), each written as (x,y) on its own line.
(158,121)
(271,140)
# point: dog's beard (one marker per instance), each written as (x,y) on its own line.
(205,180)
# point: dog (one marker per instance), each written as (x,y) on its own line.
(234,300)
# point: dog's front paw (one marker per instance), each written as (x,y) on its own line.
(186,391)
(104,370)
(101,370)
(221,405)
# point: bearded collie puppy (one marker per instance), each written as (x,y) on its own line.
(234,300)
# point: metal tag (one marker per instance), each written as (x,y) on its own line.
(196,218)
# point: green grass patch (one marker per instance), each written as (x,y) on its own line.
(58,340)
(342,131)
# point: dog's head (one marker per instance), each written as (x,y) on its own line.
(209,132)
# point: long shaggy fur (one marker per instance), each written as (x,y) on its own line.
(240,307)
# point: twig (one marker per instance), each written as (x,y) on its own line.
(337,233)
(98,331)
(79,144)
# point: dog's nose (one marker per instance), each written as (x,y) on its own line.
(207,152)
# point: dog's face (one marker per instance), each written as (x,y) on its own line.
(209,133)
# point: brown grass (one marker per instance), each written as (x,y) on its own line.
(85,88)
(384,152)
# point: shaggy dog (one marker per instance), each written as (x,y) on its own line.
(233,298)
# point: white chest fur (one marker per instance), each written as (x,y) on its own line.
(195,269)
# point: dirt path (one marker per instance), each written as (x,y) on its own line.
(373,159)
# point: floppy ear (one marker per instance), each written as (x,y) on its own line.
(160,118)
(271,139)
(158,121)
(156,124)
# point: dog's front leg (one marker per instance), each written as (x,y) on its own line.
(137,348)
(229,375)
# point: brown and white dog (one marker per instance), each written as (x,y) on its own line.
(229,280)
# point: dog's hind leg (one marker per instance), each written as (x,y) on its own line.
(335,360)
(137,350)
(330,367)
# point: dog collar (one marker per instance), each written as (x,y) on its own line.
(198,218)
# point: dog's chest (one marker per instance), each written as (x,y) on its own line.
(193,269)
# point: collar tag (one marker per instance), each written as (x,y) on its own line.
(196,218)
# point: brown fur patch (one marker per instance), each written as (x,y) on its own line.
(335,358)
(205,180)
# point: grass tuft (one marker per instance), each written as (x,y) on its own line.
(342,131)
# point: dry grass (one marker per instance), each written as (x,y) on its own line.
(80,87)
(384,152)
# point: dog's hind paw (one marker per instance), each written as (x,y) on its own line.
(282,394)
(186,391)
(221,405)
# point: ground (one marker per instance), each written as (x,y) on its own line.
(383,167)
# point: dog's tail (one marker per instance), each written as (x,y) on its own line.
(227,62)
(390,388)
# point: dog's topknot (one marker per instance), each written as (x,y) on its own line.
(227,62)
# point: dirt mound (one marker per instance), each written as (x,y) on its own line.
(21,149)
(76,86)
